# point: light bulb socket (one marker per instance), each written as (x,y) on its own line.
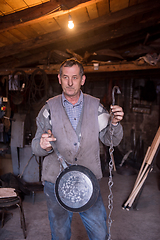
(69,18)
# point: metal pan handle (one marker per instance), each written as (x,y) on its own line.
(60,158)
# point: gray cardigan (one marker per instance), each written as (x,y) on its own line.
(77,147)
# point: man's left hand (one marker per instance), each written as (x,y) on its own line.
(118,114)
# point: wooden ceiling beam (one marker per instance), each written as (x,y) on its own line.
(94,25)
(12,20)
(41,12)
(115,40)
(63,34)
(54,69)
(15,62)
(118,41)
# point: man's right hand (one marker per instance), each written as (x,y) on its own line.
(45,140)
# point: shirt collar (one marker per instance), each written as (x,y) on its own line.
(80,100)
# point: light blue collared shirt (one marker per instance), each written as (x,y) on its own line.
(73,111)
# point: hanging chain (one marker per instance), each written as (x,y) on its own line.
(110,181)
(111,165)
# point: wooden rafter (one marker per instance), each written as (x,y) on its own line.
(12,20)
(41,12)
(53,69)
(84,28)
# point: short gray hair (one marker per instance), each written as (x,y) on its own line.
(71,62)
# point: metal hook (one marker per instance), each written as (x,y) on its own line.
(113,94)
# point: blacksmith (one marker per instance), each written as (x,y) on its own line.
(75,122)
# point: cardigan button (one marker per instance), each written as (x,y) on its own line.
(75,144)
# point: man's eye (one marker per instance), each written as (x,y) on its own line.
(74,77)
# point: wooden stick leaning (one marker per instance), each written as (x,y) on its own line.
(144,169)
(138,179)
(154,147)
(134,195)
(142,166)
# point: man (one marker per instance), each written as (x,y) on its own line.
(75,122)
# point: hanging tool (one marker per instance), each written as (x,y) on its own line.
(111,165)
(113,93)
(111,150)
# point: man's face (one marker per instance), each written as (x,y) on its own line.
(71,81)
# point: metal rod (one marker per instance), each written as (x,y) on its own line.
(113,93)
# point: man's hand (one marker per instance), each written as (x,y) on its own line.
(118,114)
(45,140)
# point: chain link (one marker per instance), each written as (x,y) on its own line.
(110,181)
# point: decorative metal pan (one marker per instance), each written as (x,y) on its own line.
(76,188)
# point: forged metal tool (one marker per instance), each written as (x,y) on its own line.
(113,93)
(111,150)
(111,166)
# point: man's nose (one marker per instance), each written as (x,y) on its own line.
(70,82)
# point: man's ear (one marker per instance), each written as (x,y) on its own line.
(59,79)
(83,80)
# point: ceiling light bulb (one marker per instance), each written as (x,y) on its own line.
(70,22)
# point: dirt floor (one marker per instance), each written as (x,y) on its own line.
(141,223)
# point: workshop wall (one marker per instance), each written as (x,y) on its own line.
(140,99)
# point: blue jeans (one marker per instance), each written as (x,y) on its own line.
(94,219)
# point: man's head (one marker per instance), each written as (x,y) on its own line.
(71,77)
(71,62)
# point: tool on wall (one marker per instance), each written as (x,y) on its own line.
(2,106)
(39,88)
(111,166)
(18,86)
